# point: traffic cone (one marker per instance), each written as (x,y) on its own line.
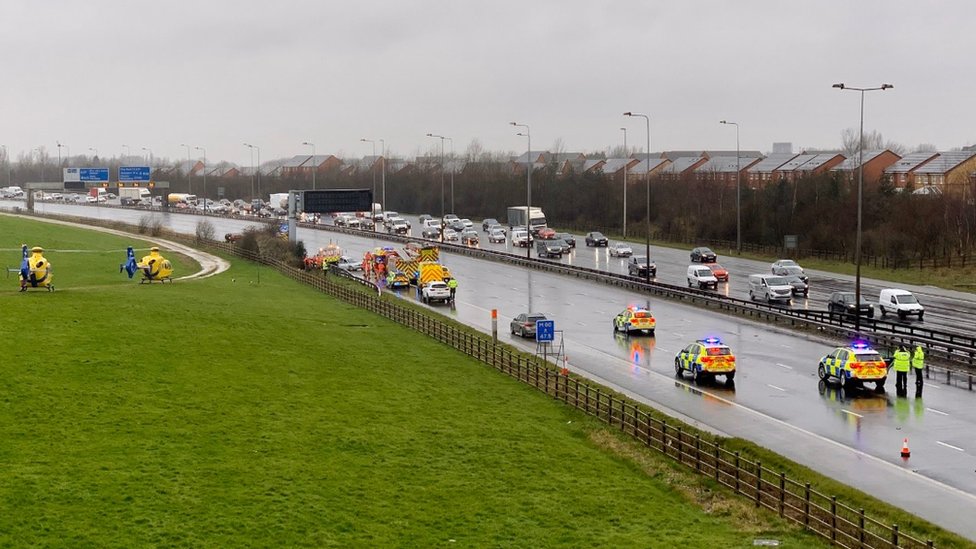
(905,452)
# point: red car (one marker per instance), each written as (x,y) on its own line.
(547,234)
(719,271)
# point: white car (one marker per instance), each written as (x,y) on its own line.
(349,264)
(467,223)
(497,235)
(620,249)
(450,235)
(701,276)
(521,238)
(435,291)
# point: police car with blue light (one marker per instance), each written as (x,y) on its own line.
(706,358)
(853,365)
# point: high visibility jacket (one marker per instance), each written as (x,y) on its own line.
(918,359)
(452,283)
(903,361)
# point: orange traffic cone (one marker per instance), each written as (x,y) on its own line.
(905,452)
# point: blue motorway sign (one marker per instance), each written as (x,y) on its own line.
(134,174)
(96,175)
(545,330)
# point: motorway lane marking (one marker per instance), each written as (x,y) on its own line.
(781,365)
(932,386)
(775,387)
(934,411)
(827,440)
(949,446)
(659,348)
(852,413)
(676,334)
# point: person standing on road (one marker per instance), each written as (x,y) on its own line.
(902,363)
(452,285)
(918,364)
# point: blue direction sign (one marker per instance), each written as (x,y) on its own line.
(96,175)
(545,330)
(134,174)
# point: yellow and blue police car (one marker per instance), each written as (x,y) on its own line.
(853,365)
(706,358)
(634,319)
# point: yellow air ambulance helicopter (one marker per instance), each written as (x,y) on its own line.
(35,271)
(155,267)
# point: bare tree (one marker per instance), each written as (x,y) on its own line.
(872,141)
(475,151)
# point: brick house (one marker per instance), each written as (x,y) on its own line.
(874,165)
(902,173)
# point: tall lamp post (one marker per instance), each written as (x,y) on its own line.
(189,169)
(94,151)
(204,176)
(251,147)
(625,181)
(442,138)
(860,187)
(59,155)
(647,182)
(528,184)
(314,167)
(452,172)
(383,169)
(738,190)
(6,158)
(372,169)
(125,151)
(40,156)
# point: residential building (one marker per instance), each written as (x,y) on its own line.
(952,172)
(902,173)
(874,164)
(761,173)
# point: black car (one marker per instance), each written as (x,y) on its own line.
(703,255)
(431,232)
(844,303)
(790,270)
(549,248)
(638,266)
(567,238)
(486,224)
(799,283)
(596,238)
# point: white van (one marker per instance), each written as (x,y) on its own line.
(701,276)
(900,302)
(770,287)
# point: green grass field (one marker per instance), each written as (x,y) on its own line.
(247,409)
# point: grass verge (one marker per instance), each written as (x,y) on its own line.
(246,409)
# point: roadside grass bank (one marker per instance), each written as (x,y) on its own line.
(248,409)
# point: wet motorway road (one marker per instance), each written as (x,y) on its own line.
(777,400)
(953,311)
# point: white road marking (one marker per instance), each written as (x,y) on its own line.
(934,411)
(851,413)
(659,348)
(775,387)
(781,365)
(785,346)
(932,386)
(949,446)
(676,334)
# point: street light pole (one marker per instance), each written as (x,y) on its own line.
(59,157)
(314,167)
(647,182)
(738,190)
(204,177)
(383,168)
(528,186)
(372,169)
(860,187)
(258,169)
(452,172)
(251,147)
(625,181)
(189,168)
(6,158)
(442,138)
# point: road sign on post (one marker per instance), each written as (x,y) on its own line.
(545,331)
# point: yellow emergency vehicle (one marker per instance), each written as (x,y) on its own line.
(706,358)
(853,365)
(634,319)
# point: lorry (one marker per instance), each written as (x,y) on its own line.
(134,194)
(279,200)
(534,219)
(175,199)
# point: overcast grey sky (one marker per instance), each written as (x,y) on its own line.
(104,73)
